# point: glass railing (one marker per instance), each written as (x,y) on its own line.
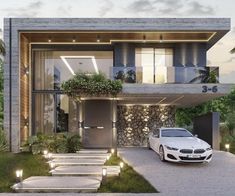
(166,75)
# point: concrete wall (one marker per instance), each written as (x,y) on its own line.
(207,128)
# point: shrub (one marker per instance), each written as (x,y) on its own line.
(3,142)
(83,84)
(57,143)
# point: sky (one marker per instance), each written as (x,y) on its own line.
(218,55)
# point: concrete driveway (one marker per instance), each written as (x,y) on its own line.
(171,179)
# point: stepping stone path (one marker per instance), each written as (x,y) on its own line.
(73,172)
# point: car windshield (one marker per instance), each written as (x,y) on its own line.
(175,133)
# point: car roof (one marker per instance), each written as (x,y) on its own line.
(172,128)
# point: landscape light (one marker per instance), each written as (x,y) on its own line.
(112,151)
(104,171)
(121,164)
(227,146)
(108,157)
(45,152)
(104,174)
(52,165)
(49,155)
(19,175)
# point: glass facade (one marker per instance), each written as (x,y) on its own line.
(51,68)
(53,111)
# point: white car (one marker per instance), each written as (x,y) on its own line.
(179,145)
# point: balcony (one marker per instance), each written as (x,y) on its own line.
(163,75)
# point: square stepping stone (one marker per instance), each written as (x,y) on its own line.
(59,184)
(60,162)
(84,170)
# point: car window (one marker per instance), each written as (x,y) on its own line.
(175,133)
(156,132)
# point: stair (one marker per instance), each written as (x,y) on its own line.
(84,171)
(59,184)
(74,172)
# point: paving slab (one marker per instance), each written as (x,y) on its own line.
(59,184)
(85,170)
(83,155)
(189,179)
(87,161)
(92,151)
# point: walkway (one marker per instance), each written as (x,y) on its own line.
(215,178)
(77,172)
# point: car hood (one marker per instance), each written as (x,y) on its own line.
(184,142)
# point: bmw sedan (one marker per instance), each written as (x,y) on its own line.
(179,145)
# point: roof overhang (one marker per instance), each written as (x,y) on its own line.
(180,95)
(169,30)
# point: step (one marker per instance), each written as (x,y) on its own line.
(84,170)
(70,162)
(85,184)
(92,151)
(77,155)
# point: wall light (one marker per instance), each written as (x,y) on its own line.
(98,38)
(19,175)
(161,38)
(144,38)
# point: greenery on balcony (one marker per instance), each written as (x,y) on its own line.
(82,85)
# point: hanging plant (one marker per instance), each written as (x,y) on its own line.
(82,85)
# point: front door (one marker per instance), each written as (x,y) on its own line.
(97,124)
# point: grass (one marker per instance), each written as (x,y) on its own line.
(129,181)
(32,165)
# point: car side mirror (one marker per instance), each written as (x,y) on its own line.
(196,135)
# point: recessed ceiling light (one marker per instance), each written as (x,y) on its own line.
(74,40)
(49,40)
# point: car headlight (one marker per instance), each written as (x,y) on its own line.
(208,149)
(171,148)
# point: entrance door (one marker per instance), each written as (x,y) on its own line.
(97,124)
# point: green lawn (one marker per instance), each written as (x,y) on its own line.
(35,165)
(129,181)
(32,165)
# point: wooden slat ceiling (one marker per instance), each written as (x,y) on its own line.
(117,36)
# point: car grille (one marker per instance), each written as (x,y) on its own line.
(192,159)
(186,151)
(199,151)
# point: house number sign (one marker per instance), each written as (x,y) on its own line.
(206,89)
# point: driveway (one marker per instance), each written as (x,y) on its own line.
(171,179)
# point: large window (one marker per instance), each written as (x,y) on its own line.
(51,68)
(154,63)
(54,113)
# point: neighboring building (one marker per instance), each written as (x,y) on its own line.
(162,62)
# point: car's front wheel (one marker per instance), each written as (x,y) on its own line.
(161,154)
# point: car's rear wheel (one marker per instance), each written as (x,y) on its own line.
(161,154)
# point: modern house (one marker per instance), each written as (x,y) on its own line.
(161,61)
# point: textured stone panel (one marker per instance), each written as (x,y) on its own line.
(135,122)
